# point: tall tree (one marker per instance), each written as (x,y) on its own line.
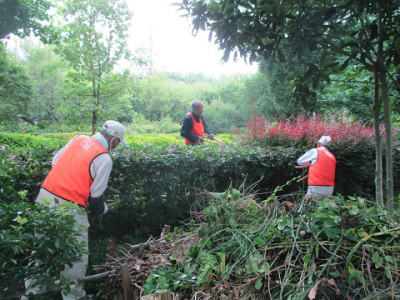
(364,31)
(94,40)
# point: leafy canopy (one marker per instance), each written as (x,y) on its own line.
(23,17)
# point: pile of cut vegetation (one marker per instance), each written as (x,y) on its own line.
(243,247)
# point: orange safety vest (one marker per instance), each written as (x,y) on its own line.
(198,129)
(70,177)
(322,172)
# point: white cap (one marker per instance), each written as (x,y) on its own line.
(325,140)
(115,129)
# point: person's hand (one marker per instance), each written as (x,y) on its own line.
(200,139)
(212,137)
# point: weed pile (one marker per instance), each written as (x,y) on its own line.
(239,246)
(333,248)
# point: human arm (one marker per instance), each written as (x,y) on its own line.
(308,158)
(207,129)
(100,170)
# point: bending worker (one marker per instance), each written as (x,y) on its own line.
(194,127)
(322,164)
(79,174)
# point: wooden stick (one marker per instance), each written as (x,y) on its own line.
(209,141)
(113,204)
(95,277)
(113,190)
(126,281)
(138,286)
(302,178)
(221,142)
(195,213)
(300,167)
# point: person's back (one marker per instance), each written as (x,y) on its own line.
(322,172)
(322,164)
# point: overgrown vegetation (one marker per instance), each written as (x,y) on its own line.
(164,176)
(253,247)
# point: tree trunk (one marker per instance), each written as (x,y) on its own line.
(96,102)
(386,113)
(378,146)
(388,133)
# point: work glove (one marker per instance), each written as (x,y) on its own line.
(200,139)
(105,209)
(212,137)
(97,205)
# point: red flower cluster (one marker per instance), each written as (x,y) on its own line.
(310,129)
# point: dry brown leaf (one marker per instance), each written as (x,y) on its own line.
(313,292)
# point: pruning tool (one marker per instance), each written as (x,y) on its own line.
(215,141)
(302,178)
(122,197)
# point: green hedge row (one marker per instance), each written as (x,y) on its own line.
(18,141)
(165,181)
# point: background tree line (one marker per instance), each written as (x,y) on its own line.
(51,92)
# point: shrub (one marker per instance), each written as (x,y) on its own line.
(306,131)
(54,245)
(23,170)
(18,141)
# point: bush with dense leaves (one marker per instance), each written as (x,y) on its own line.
(30,233)
(23,170)
(19,141)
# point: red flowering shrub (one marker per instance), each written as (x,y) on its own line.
(302,130)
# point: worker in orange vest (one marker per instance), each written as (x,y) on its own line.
(322,164)
(79,174)
(194,127)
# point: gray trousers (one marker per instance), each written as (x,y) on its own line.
(78,268)
(320,191)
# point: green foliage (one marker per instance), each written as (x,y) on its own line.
(162,96)
(26,17)
(138,141)
(141,126)
(164,174)
(48,74)
(101,29)
(321,38)
(269,246)
(20,141)
(31,233)
(23,170)
(165,181)
(15,89)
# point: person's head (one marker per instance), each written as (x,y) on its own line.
(325,140)
(114,132)
(197,107)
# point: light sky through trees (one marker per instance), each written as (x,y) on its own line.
(174,49)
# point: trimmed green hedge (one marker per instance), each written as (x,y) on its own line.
(165,180)
(18,141)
